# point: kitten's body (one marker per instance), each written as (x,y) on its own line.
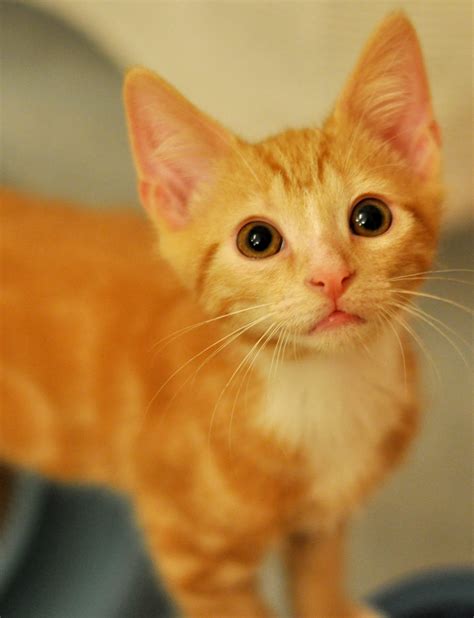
(99,325)
(224,449)
(83,377)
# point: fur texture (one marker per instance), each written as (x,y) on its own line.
(199,382)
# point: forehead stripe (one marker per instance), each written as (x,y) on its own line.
(203,267)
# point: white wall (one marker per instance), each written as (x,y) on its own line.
(262,66)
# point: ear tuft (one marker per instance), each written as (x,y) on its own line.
(388,93)
(175,146)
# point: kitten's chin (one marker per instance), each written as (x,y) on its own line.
(335,320)
(339,332)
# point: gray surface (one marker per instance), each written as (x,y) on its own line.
(64,134)
(85,560)
(62,124)
(25,508)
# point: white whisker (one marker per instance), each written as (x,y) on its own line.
(400,344)
(435,297)
(169,338)
(236,333)
(430,278)
(426,318)
(420,344)
(228,383)
(434,272)
(269,333)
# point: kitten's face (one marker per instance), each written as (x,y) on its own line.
(304,234)
(311,228)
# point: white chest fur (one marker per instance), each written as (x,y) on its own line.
(337,408)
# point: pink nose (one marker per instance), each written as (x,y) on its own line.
(333,282)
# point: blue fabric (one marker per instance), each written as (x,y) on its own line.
(86,559)
(443,593)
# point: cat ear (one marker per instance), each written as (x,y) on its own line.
(175,146)
(388,93)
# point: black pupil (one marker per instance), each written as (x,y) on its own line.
(259,238)
(370,217)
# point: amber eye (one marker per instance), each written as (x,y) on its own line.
(370,217)
(258,239)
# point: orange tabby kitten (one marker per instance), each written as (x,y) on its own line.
(281,389)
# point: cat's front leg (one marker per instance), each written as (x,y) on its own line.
(316,567)
(207,574)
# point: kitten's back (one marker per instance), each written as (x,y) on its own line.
(29,224)
(81,299)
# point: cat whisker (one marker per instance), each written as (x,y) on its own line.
(296,355)
(275,353)
(430,320)
(229,382)
(250,366)
(435,297)
(229,337)
(419,342)
(434,272)
(280,354)
(400,344)
(292,338)
(286,341)
(295,349)
(275,357)
(170,338)
(437,321)
(214,353)
(365,346)
(430,278)
(282,331)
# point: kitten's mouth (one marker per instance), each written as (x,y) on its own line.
(335,319)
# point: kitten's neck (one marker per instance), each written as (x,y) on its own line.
(310,398)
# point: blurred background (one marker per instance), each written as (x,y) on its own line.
(258,67)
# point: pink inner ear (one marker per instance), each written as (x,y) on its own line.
(170,175)
(414,132)
(424,146)
(169,197)
(175,146)
(389,93)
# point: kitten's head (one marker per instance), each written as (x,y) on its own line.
(305,232)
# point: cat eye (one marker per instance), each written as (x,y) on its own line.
(370,217)
(259,239)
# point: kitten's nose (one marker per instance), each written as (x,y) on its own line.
(333,281)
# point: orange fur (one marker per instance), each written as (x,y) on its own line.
(245,430)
